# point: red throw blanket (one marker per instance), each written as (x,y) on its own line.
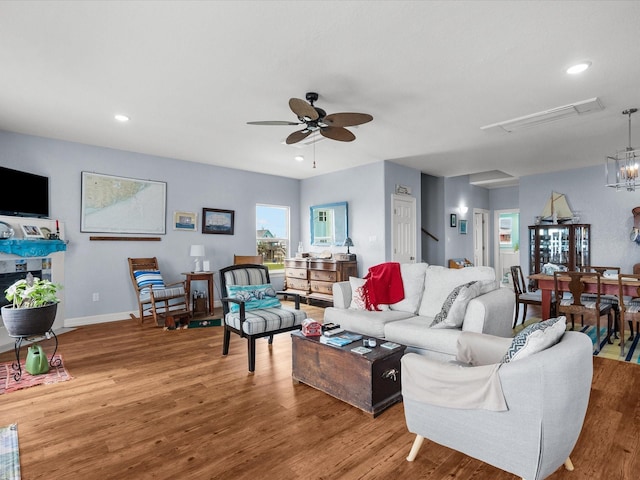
(383,285)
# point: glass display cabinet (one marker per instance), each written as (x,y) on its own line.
(566,245)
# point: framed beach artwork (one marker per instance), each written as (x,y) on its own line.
(463,227)
(217,221)
(185,221)
(31,231)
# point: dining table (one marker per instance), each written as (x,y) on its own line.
(608,285)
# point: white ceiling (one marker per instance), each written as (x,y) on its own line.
(191,74)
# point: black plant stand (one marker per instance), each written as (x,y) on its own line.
(20,338)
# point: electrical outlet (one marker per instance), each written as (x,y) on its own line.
(96,297)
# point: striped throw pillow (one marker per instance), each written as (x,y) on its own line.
(149,279)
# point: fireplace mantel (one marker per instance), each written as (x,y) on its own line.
(32,248)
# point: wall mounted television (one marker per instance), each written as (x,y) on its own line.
(32,194)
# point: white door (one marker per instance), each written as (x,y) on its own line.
(403,228)
(480,237)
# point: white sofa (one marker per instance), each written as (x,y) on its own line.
(426,288)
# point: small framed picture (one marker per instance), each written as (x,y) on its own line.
(185,221)
(31,231)
(463,227)
(217,221)
(453,220)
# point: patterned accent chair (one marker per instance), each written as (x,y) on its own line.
(157,300)
(251,309)
(577,304)
(547,394)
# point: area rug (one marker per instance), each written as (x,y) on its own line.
(606,350)
(8,383)
(9,453)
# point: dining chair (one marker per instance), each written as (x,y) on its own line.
(629,305)
(524,296)
(612,299)
(247,260)
(577,283)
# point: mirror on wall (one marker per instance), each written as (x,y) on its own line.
(329,224)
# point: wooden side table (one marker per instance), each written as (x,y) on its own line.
(195,276)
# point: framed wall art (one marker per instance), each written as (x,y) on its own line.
(217,221)
(185,221)
(113,204)
(31,231)
(463,227)
(453,220)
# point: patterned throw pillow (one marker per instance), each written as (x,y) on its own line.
(535,338)
(357,298)
(254,296)
(454,307)
(148,279)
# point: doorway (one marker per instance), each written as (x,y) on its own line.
(507,243)
(480,237)
(403,229)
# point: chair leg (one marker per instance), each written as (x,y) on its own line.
(568,464)
(226,338)
(270,339)
(517,315)
(251,344)
(417,443)
(524,313)
(611,319)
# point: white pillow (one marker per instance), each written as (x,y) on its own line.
(439,281)
(535,338)
(413,283)
(357,301)
(455,306)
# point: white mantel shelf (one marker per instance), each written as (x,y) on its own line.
(32,247)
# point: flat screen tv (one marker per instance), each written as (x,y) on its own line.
(30,197)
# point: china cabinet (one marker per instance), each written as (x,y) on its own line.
(567,245)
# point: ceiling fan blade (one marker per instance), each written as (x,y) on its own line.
(337,133)
(274,122)
(302,109)
(347,119)
(295,137)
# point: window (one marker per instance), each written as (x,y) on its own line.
(272,235)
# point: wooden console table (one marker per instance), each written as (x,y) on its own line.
(195,276)
(313,278)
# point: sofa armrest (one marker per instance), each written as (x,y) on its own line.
(491,313)
(341,294)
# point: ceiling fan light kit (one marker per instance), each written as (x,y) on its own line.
(315,119)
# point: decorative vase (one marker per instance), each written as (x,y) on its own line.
(22,322)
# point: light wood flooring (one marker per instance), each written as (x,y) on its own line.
(152,404)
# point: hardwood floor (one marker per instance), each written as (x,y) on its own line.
(152,404)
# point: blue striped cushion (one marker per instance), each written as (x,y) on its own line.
(148,279)
(266,320)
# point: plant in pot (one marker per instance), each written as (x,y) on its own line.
(33,306)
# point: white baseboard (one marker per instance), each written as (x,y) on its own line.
(95,319)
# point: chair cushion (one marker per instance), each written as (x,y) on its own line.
(535,338)
(266,320)
(254,296)
(148,279)
(452,313)
(567,302)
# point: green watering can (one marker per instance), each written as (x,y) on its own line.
(37,362)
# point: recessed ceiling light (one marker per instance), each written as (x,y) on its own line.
(578,68)
(298,158)
(121,118)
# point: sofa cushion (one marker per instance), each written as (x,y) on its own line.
(415,332)
(480,349)
(452,313)
(365,322)
(255,296)
(535,338)
(440,281)
(413,282)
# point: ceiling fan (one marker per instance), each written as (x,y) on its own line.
(316,119)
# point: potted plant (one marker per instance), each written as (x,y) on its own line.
(33,306)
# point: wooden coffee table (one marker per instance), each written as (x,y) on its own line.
(370,382)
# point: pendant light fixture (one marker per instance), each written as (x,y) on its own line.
(621,169)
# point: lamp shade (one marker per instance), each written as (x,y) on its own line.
(197,251)
(348,242)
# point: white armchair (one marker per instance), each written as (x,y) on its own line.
(546,397)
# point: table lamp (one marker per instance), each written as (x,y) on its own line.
(197,251)
(348,243)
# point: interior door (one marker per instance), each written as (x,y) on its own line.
(480,237)
(403,228)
